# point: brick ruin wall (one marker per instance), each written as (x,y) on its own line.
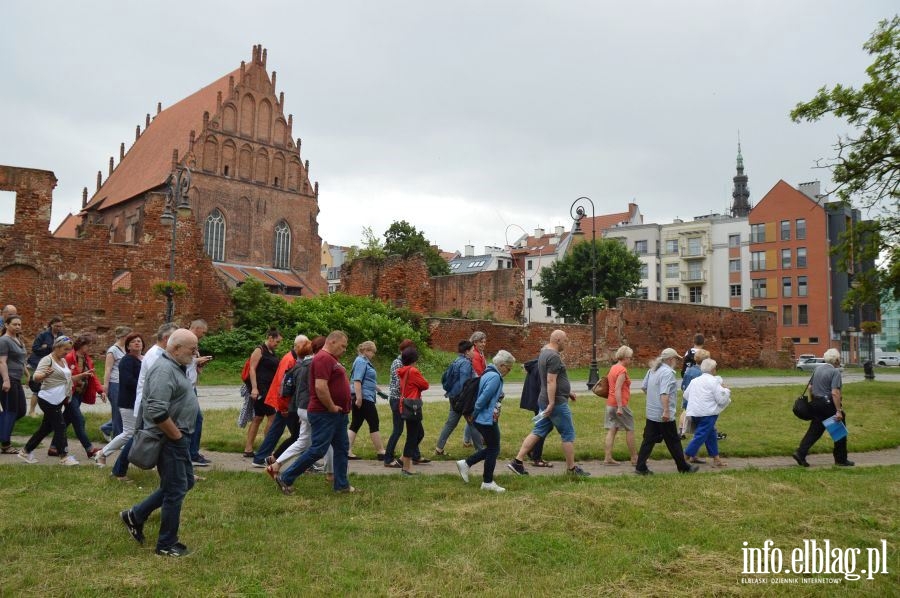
(44,276)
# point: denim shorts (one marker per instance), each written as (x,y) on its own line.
(562,419)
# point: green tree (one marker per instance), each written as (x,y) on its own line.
(866,167)
(402,239)
(565,283)
(371,246)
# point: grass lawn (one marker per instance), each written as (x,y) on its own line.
(622,536)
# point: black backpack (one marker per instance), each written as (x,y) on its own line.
(464,402)
(300,375)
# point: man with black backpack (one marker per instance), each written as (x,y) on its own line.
(453,380)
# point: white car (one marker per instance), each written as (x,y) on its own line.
(803,358)
(811,364)
(888,360)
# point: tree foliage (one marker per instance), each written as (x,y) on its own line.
(866,167)
(402,239)
(372,246)
(565,283)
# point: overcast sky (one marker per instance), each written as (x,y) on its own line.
(466,119)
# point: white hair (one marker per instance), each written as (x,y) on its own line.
(503,357)
(832,356)
(708,365)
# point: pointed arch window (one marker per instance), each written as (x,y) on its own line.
(214,236)
(283,246)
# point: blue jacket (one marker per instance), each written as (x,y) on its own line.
(489,390)
(462,370)
(689,374)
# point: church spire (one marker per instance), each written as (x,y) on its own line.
(741,194)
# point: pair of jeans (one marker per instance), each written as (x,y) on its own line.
(328,430)
(52,421)
(279,423)
(452,421)
(415,432)
(489,453)
(13,403)
(656,432)
(176,477)
(293,426)
(114,426)
(822,409)
(73,416)
(195,437)
(704,433)
(120,467)
(396,431)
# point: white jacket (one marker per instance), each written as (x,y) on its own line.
(706,396)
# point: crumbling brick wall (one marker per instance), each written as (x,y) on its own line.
(45,276)
(398,281)
(495,294)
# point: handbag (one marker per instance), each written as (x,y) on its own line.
(145,449)
(33,384)
(411,409)
(801,407)
(601,388)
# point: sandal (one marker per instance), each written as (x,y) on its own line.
(542,463)
(611,463)
(697,461)
(9,450)
(720,463)
(249,454)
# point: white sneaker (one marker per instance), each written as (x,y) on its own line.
(99,459)
(463,468)
(493,487)
(68,461)
(27,457)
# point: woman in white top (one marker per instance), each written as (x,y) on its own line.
(56,385)
(706,398)
(114,354)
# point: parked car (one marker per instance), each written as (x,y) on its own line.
(888,360)
(803,358)
(811,364)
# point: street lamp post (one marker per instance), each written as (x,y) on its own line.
(577,212)
(179,185)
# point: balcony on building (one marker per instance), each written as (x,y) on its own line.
(698,276)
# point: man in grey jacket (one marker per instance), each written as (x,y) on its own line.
(170,409)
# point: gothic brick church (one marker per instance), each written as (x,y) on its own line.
(250,193)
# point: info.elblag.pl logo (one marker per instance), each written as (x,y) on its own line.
(818,558)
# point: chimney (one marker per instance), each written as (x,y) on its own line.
(111,162)
(812,189)
(84,197)
(470,251)
(99,179)
(538,232)
(559,230)
(137,133)
(121,152)
(147,121)
(158,107)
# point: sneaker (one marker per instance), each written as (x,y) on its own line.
(721,436)
(408,474)
(395,464)
(316,468)
(258,465)
(283,486)
(517,468)
(134,528)
(92,451)
(845,463)
(578,472)
(691,469)
(177,550)
(463,468)
(643,471)
(493,487)
(421,461)
(27,457)
(100,459)
(68,461)
(106,436)
(200,461)
(801,461)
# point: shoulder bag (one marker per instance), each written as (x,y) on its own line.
(410,409)
(601,388)
(801,405)
(145,449)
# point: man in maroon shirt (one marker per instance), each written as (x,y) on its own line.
(329,404)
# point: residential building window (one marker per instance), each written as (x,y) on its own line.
(644,271)
(549,312)
(640,247)
(795,340)
(672,270)
(757,233)
(530,266)
(801,229)
(759,288)
(801,286)
(785,230)
(529,301)
(786,287)
(734,265)
(757,260)
(802,315)
(696,294)
(734,240)
(801,257)
(214,236)
(283,246)
(814,340)
(695,271)
(785,259)
(787,315)
(672,294)
(735,290)
(642,293)
(694,246)
(529,283)
(671,246)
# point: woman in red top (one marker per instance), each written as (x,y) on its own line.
(84,390)
(479,339)
(412,383)
(618,414)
